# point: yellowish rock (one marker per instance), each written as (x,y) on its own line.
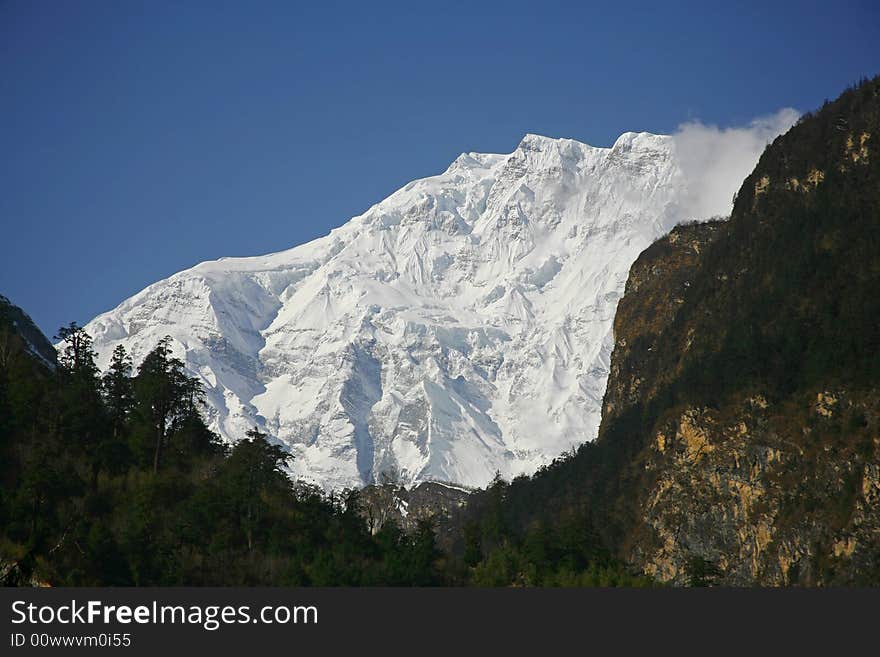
(825,403)
(844,547)
(762,185)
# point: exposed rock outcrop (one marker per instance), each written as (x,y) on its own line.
(744,377)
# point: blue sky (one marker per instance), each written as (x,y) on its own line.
(140,138)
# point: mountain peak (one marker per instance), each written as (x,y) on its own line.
(642,141)
(458,328)
(532,140)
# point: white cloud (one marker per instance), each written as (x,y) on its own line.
(716,160)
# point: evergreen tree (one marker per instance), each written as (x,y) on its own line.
(253,473)
(156,392)
(167,402)
(81,414)
(78,355)
(118,389)
(113,453)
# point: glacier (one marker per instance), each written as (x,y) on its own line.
(460,328)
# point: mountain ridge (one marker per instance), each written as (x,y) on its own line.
(32,337)
(424,337)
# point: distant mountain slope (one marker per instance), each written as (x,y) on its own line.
(459,328)
(19,323)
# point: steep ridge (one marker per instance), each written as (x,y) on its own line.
(459,328)
(17,322)
(750,386)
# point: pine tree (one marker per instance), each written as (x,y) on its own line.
(253,471)
(158,393)
(118,389)
(113,452)
(81,414)
(78,355)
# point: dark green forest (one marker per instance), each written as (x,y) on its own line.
(113,478)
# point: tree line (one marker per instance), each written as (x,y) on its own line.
(114,478)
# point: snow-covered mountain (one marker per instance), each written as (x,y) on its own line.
(459,328)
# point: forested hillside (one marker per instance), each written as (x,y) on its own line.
(114,479)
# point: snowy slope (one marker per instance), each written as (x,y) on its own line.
(460,327)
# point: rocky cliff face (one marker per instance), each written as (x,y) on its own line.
(751,498)
(655,290)
(748,491)
(430,501)
(744,376)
